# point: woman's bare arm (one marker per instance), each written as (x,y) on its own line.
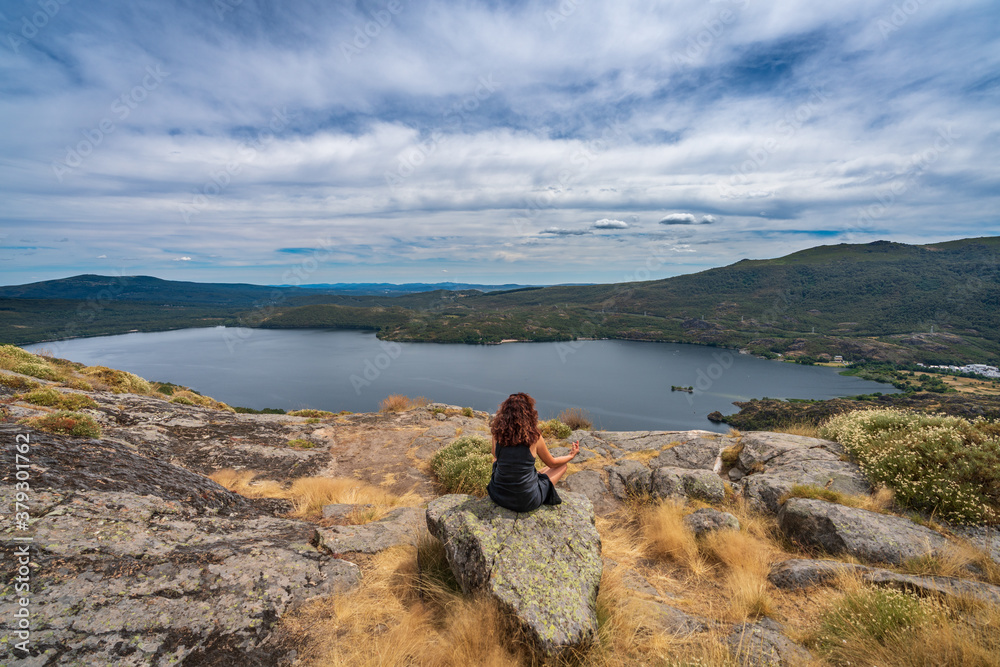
(542,451)
(493,447)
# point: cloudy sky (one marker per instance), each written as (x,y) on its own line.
(495,141)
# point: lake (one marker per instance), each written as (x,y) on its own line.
(624,385)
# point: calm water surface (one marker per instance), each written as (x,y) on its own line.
(624,385)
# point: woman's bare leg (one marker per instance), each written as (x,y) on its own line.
(555,474)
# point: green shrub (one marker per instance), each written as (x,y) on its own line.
(119,382)
(945,465)
(77,402)
(308,412)
(467,412)
(13,358)
(49,397)
(66,423)
(46,396)
(464,466)
(867,617)
(18,383)
(302,443)
(183,400)
(554,428)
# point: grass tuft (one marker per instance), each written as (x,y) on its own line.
(401,403)
(577,419)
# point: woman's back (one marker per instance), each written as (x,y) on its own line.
(515,483)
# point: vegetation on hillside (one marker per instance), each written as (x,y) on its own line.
(937,303)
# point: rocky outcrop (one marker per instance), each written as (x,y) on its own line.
(772,463)
(804,573)
(137,562)
(542,567)
(866,535)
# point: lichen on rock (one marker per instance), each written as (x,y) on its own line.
(542,567)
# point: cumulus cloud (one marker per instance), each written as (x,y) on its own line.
(468,116)
(686,219)
(182,259)
(608,223)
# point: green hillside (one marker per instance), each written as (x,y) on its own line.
(885,301)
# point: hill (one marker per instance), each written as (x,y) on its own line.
(882,300)
(935,303)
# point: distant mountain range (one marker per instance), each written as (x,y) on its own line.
(935,303)
(156,290)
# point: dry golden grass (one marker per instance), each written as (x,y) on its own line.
(880,501)
(747,561)
(395,619)
(960,559)
(245,483)
(310,494)
(665,536)
(576,419)
(959,632)
(401,403)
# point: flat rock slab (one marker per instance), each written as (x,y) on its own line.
(125,579)
(866,535)
(804,573)
(768,450)
(402,525)
(543,567)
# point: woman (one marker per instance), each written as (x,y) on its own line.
(514,483)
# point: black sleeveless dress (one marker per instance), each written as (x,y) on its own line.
(516,485)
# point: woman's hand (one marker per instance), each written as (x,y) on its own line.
(575,447)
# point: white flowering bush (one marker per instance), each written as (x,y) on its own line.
(870,616)
(946,465)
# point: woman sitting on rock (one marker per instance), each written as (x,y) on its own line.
(514,483)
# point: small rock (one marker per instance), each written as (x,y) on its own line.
(735,474)
(628,478)
(706,520)
(340,511)
(762,645)
(700,484)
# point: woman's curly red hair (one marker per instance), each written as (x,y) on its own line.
(516,421)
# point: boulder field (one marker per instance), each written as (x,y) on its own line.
(137,558)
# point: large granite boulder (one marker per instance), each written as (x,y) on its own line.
(542,567)
(136,561)
(866,535)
